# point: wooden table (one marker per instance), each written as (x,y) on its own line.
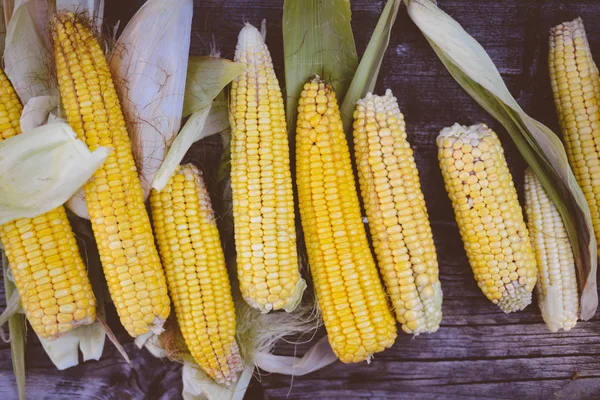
(479,352)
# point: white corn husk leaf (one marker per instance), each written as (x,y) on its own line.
(199,386)
(94,8)
(320,355)
(470,65)
(149,66)
(47,162)
(37,111)
(42,168)
(28,54)
(152,343)
(64,351)
(77,204)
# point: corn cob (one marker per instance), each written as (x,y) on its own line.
(261,182)
(488,214)
(557,282)
(119,219)
(190,248)
(576,86)
(355,309)
(49,273)
(397,214)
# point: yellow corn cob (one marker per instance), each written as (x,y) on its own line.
(50,275)
(557,282)
(114,195)
(261,182)
(488,214)
(355,309)
(10,109)
(190,248)
(397,214)
(576,87)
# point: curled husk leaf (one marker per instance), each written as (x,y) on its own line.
(42,168)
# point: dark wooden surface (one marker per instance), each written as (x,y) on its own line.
(479,352)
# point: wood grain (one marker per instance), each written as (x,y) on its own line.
(479,352)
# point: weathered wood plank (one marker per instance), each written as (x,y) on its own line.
(479,352)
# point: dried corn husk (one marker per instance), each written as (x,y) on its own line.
(541,148)
(149,64)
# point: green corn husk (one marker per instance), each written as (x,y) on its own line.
(317,40)
(16,328)
(207,116)
(474,70)
(370,63)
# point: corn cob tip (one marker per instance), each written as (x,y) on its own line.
(462,132)
(515,297)
(249,37)
(63,17)
(388,98)
(573,25)
(488,214)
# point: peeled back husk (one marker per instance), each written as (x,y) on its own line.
(42,168)
(149,65)
(28,51)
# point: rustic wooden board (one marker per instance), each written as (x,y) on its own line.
(479,352)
